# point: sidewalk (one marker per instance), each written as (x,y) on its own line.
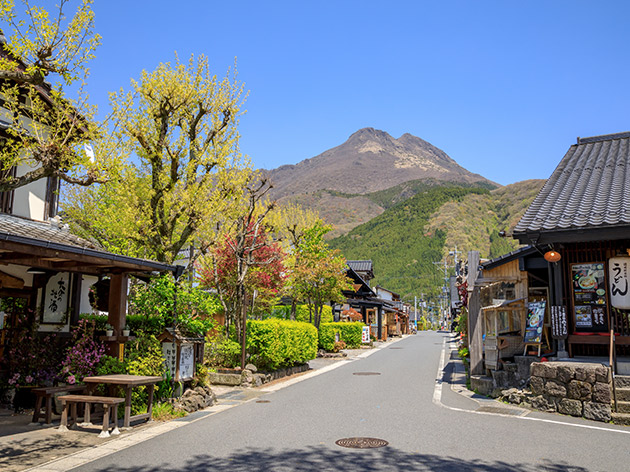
(41,448)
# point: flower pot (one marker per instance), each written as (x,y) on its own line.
(125,332)
(109,332)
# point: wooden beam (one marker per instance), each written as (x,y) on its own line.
(9,281)
(117,308)
(475,329)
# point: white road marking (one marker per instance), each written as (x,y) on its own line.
(437,399)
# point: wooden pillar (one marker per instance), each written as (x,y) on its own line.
(475,328)
(379,321)
(117,308)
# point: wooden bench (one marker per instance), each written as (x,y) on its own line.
(46,393)
(110,404)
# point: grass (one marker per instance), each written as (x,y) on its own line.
(166,412)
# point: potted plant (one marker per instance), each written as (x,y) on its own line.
(125,331)
(109,330)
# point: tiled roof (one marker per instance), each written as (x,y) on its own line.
(16,226)
(589,189)
(360,266)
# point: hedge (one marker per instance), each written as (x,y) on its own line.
(301,313)
(148,324)
(276,343)
(349,333)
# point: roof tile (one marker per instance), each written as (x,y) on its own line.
(589,188)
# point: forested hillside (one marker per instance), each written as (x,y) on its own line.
(405,240)
(397,242)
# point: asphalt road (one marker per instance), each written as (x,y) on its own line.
(427,425)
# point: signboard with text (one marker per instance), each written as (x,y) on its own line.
(559,322)
(589,296)
(619,276)
(365,335)
(534,322)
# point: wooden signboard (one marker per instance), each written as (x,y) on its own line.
(559,322)
(534,322)
(589,297)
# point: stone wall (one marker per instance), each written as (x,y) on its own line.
(570,388)
(250,377)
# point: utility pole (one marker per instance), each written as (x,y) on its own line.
(415,311)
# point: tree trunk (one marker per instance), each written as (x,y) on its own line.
(293,309)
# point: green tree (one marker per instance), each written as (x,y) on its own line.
(46,131)
(181,123)
(318,274)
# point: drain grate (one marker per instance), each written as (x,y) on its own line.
(366,373)
(394,347)
(361,443)
(263,401)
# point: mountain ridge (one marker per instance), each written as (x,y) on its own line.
(369,160)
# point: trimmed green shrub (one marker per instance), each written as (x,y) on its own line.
(222,352)
(349,333)
(148,325)
(301,313)
(275,343)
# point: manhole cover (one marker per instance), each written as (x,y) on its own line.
(263,401)
(361,443)
(366,373)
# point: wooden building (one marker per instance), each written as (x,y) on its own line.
(583,215)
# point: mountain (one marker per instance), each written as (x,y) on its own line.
(370,160)
(405,240)
(357,180)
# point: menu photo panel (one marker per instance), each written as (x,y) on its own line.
(590,304)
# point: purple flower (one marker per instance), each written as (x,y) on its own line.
(71,379)
(29,379)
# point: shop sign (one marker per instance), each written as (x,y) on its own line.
(589,296)
(535,322)
(365,335)
(618,273)
(559,322)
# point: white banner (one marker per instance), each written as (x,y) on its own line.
(618,272)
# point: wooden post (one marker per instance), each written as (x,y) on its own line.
(475,328)
(117,308)
(379,322)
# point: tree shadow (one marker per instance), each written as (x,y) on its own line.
(321,458)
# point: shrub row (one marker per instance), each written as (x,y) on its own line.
(349,333)
(275,343)
(148,324)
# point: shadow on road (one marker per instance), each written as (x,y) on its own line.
(344,460)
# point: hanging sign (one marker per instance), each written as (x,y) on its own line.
(618,274)
(589,296)
(534,323)
(559,322)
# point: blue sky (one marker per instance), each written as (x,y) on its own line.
(503,87)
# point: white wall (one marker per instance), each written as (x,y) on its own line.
(30,201)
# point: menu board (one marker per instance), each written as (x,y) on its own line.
(559,322)
(534,322)
(589,296)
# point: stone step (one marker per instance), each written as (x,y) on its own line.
(622,407)
(622,381)
(621,418)
(623,394)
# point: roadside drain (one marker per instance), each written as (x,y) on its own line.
(263,401)
(394,347)
(361,443)
(366,373)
